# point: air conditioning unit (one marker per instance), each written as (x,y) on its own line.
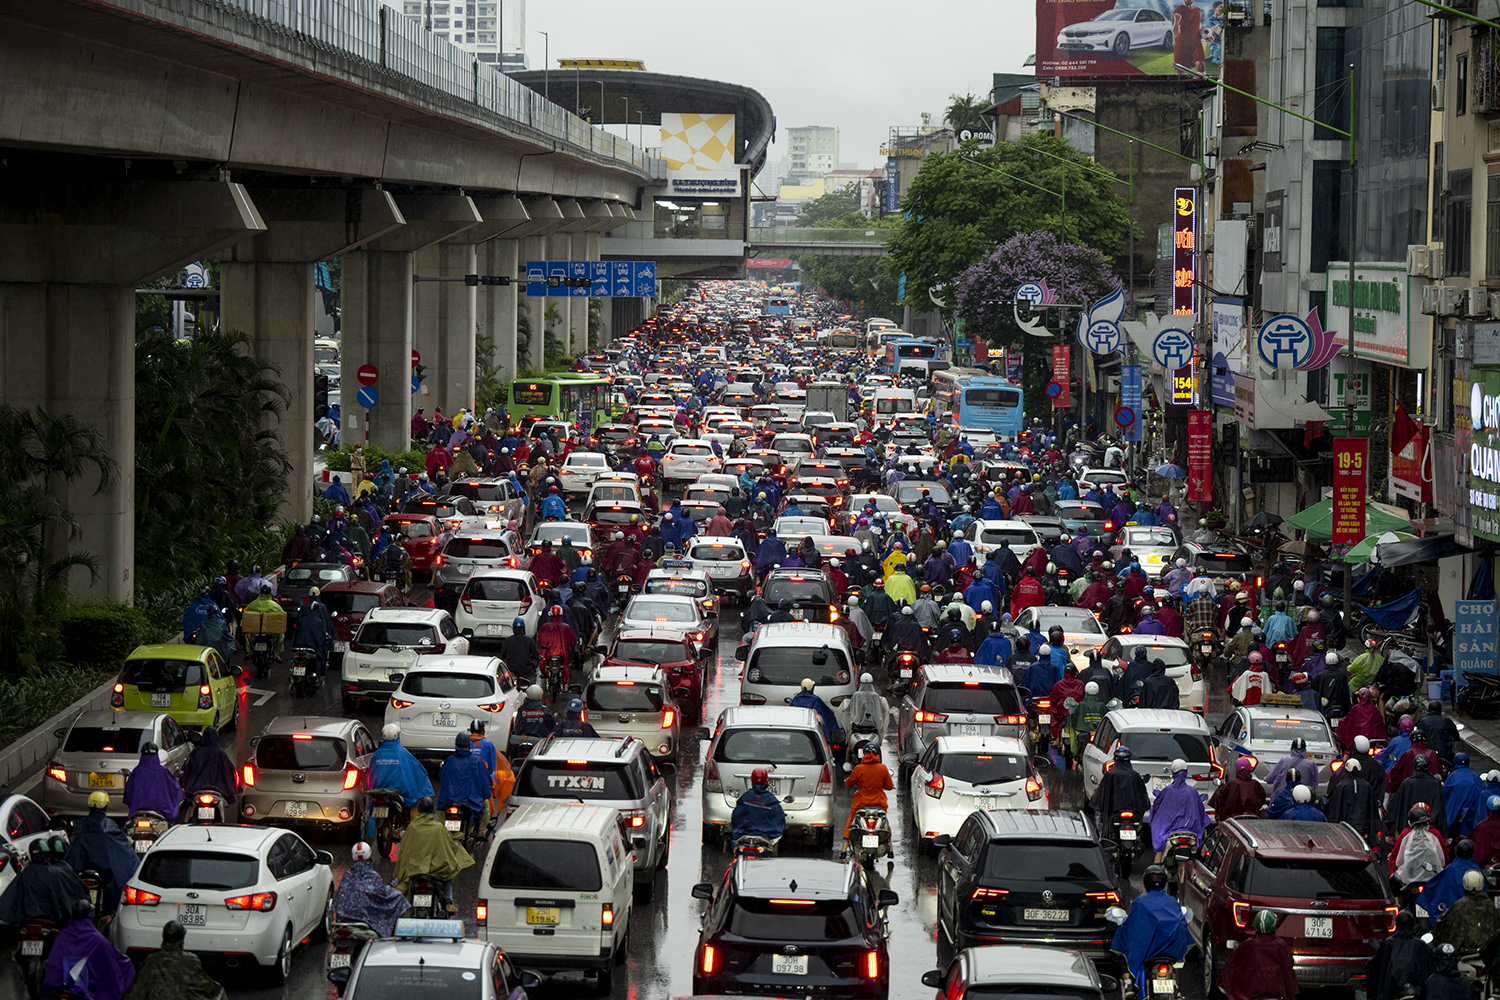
(1211,145)
(1495,303)
(1437,97)
(1417,260)
(1450,300)
(1436,263)
(1430,296)
(1476,301)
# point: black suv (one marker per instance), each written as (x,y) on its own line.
(809,593)
(780,926)
(1026,877)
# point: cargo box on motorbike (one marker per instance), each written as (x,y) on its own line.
(257,622)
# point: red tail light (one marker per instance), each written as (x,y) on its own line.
(711,782)
(482,911)
(206,800)
(525,605)
(263,901)
(468,605)
(988,894)
(925,716)
(351,777)
(935,786)
(1390,919)
(1033,789)
(710,959)
(140,897)
(1241,911)
(1196,671)
(117,699)
(57,772)
(1163,970)
(872,965)
(1111,898)
(401,703)
(249,775)
(668,717)
(825,780)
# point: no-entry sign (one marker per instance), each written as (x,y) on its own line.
(367,374)
(416,359)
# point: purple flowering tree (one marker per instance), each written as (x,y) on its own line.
(984,292)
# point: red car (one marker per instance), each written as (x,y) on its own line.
(608,518)
(350,602)
(422,535)
(675,652)
(1320,879)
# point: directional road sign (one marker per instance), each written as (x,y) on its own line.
(367,396)
(416,384)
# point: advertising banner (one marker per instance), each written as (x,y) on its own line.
(1184,250)
(1228,348)
(772,263)
(1200,450)
(1013,365)
(1130,399)
(1349,468)
(1474,637)
(699,154)
(1141,38)
(1062,375)
(1481,411)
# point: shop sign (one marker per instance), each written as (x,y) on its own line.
(1484,453)
(1347,385)
(1381,298)
(1474,637)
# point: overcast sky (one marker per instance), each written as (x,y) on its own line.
(860,66)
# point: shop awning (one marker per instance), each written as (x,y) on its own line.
(1298,409)
(1419,550)
(1317,521)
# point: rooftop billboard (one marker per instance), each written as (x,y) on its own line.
(1128,37)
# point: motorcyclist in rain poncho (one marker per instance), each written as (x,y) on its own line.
(868,709)
(210,769)
(393,766)
(1419,852)
(427,848)
(84,963)
(1155,926)
(45,889)
(365,896)
(98,843)
(1447,886)
(172,973)
(151,786)
(1177,808)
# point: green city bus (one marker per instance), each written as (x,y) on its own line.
(562,396)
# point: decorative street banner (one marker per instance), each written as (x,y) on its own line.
(1062,375)
(1130,397)
(1349,467)
(1013,364)
(1200,449)
(1411,474)
(1474,637)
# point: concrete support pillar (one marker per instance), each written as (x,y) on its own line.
(74,248)
(376,299)
(274,304)
(560,247)
(497,309)
(444,324)
(71,349)
(535,248)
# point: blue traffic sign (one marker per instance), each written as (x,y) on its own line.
(599,275)
(645,279)
(367,396)
(578,270)
(416,384)
(1124,416)
(1054,390)
(607,279)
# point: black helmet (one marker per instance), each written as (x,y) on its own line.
(477,726)
(955,614)
(150,748)
(1055,634)
(172,933)
(82,909)
(1406,923)
(1421,763)
(426,804)
(1155,877)
(1299,743)
(461,741)
(1464,848)
(1418,813)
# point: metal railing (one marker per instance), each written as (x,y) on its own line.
(382,36)
(777,234)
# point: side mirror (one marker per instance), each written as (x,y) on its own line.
(1041,761)
(739,653)
(941,841)
(1108,984)
(666,767)
(193,737)
(702,733)
(1108,846)
(933,978)
(712,616)
(340,979)
(886,897)
(682,692)
(60,733)
(848,767)
(530,980)
(324,858)
(467,633)
(703,890)
(236,671)
(602,650)
(910,759)
(397,677)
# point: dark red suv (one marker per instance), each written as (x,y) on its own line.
(675,652)
(1320,879)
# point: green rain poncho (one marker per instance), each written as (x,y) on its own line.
(1083,721)
(173,974)
(428,849)
(1364,668)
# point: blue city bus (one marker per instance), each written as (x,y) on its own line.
(779,305)
(969,397)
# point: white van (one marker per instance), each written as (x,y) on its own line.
(555,891)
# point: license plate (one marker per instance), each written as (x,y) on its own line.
(1127,834)
(543,914)
(422,899)
(984,802)
(339,960)
(206,812)
(1055,916)
(97,780)
(968,730)
(494,630)
(799,614)
(141,846)
(1163,986)
(381,812)
(296,808)
(192,914)
(447,719)
(789,965)
(261,647)
(161,701)
(1207,647)
(1317,927)
(869,840)
(1045,719)
(32,948)
(453,825)
(299,671)
(906,673)
(341,647)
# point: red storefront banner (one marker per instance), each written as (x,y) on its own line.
(1409,467)
(1062,374)
(1200,450)
(1349,467)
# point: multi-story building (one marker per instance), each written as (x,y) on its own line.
(494,31)
(812,151)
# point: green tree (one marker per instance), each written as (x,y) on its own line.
(964,110)
(489,389)
(958,209)
(210,474)
(834,205)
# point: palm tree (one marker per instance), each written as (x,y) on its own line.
(964,111)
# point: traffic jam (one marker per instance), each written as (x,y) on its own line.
(803,662)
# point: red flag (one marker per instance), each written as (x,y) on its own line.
(1403,429)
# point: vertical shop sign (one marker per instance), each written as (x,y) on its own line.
(1349,468)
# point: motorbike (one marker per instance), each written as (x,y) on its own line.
(751,845)
(858,737)
(388,810)
(1125,831)
(1161,977)
(37,938)
(553,674)
(1180,847)
(1480,695)
(345,943)
(93,881)
(902,669)
(426,898)
(623,584)
(1039,725)
(870,835)
(205,807)
(1282,657)
(1206,646)
(305,677)
(143,828)
(460,821)
(262,649)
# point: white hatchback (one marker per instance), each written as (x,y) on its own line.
(956,775)
(579,470)
(438,698)
(687,459)
(493,599)
(239,891)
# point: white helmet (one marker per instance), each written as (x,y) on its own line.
(987,608)
(1179,765)
(1044,650)
(866,678)
(360,851)
(853,600)
(1092,687)
(534,692)
(1362,744)
(1298,585)
(1302,793)
(1246,622)
(1331,658)
(958,534)
(1182,564)
(391,732)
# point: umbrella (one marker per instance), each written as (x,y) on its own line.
(1305,549)
(1366,550)
(1264,519)
(1317,520)
(1170,471)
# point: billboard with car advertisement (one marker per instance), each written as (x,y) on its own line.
(1128,37)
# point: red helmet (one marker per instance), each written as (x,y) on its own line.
(556,611)
(880,582)
(552,489)
(760,776)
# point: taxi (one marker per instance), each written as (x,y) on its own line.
(435,953)
(192,684)
(1151,546)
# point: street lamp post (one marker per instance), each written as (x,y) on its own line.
(546,65)
(641,121)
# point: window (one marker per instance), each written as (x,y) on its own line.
(1331,108)
(476,548)
(458,687)
(623,697)
(345,602)
(550,779)
(496,589)
(296,856)
(787,665)
(1492,226)
(199,870)
(770,919)
(1215,850)
(1458,219)
(26,819)
(106,739)
(1461,87)
(162,675)
(983,699)
(1330,230)
(1316,878)
(283,753)
(1048,861)
(546,864)
(779,746)
(394,635)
